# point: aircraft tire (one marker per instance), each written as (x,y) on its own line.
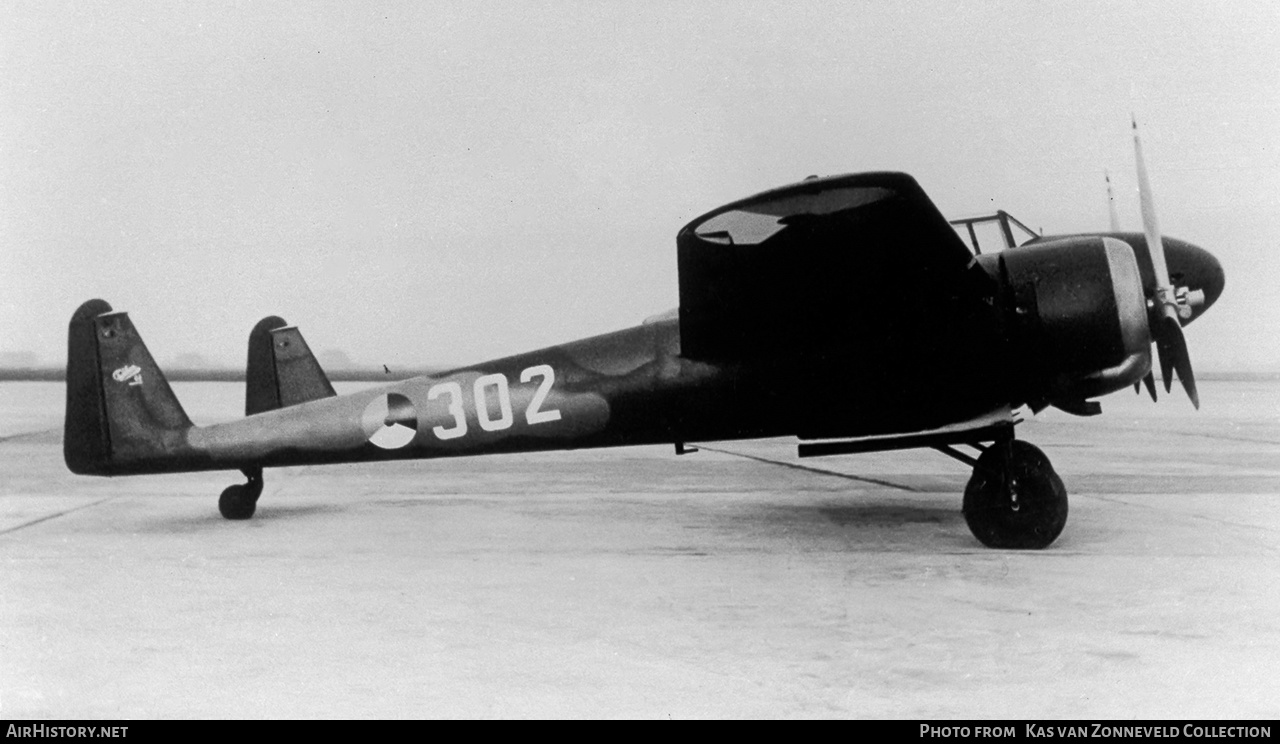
(1015,500)
(238,502)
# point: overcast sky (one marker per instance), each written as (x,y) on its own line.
(427,182)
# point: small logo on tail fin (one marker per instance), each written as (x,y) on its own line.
(130,372)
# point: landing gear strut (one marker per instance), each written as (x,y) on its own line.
(1015,499)
(239,502)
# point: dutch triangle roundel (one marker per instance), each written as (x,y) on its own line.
(390,421)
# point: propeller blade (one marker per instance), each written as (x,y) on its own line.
(1150,226)
(1171,345)
(1172,348)
(1111,204)
(1166,354)
(1150,382)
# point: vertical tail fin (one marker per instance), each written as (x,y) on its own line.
(121,411)
(281,369)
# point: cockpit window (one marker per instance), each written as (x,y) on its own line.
(755,223)
(993,233)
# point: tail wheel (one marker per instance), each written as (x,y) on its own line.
(236,503)
(1015,499)
(240,501)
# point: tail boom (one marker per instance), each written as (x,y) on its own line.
(123,418)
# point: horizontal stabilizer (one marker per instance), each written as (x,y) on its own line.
(281,370)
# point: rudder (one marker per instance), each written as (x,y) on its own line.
(86,444)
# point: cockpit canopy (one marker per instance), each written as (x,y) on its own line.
(993,233)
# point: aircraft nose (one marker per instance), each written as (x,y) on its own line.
(1195,268)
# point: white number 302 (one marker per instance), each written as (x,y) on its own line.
(497,386)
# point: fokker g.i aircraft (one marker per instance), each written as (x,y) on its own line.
(844,311)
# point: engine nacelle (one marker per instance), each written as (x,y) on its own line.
(1076,317)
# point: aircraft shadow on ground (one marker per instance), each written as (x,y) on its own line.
(926,526)
(883,515)
(209,519)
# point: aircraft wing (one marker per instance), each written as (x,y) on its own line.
(764,274)
(859,276)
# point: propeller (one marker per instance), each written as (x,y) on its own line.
(1150,382)
(1166,311)
(1111,204)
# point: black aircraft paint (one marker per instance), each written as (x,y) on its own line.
(838,308)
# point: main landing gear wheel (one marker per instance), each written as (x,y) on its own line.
(240,502)
(1015,499)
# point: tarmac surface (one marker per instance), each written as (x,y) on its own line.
(737,581)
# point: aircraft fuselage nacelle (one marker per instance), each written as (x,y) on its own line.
(1076,318)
